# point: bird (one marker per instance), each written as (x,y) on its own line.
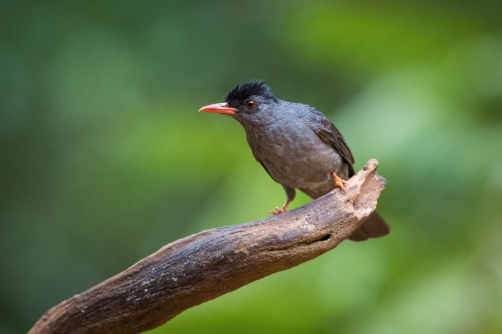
(297,145)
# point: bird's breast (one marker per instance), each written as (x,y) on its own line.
(294,156)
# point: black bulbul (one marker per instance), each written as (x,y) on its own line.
(297,145)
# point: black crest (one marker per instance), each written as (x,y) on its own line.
(248,89)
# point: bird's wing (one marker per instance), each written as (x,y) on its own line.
(328,132)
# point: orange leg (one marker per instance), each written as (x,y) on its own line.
(339,183)
(281,210)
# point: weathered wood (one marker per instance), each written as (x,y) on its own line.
(211,263)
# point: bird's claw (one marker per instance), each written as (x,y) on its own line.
(339,183)
(277,211)
(342,184)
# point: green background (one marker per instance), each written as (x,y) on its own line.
(104,158)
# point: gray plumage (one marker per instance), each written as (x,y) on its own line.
(297,145)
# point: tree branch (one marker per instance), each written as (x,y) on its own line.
(208,264)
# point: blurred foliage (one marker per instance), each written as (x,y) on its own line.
(104,158)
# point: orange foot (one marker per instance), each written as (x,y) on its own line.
(277,210)
(339,183)
(281,210)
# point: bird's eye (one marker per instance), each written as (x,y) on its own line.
(250,104)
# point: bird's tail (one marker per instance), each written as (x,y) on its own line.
(373,227)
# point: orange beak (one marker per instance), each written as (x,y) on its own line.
(219,108)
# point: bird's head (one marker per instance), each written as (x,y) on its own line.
(245,101)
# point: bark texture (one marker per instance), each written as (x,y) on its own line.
(208,264)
